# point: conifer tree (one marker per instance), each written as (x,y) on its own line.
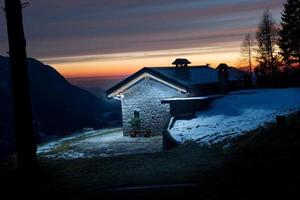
(289,41)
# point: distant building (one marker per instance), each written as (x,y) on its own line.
(153,94)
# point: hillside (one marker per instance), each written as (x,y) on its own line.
(227,118)
(58,107)
(262,163)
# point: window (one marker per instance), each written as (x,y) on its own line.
(136,114)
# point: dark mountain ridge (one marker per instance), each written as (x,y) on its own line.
(58,107)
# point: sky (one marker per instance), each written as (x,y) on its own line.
(89,38)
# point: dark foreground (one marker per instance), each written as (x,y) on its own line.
(262,164)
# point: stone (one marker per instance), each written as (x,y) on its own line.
(145,98)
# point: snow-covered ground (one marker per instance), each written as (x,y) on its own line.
(98,143)
(236,114)
(46,149)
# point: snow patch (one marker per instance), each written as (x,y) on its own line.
(47,147)
(68,155)
(236,114)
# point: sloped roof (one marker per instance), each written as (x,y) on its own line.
(197,75)
(134,78)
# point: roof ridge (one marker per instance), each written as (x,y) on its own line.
(168,67)
(141,72)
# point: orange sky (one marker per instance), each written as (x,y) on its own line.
(95,38)
(128,63)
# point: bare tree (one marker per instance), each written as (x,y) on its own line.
(247,50)
(266,37)
(24,131)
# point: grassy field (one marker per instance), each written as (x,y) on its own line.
(184,164)
(259,161)
(261,164)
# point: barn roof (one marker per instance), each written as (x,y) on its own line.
(197,75)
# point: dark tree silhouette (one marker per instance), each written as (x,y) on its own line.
(267,37)
(247,50)
(24,131)
(289,41)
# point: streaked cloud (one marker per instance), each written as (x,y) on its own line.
(96,30)
(217,48)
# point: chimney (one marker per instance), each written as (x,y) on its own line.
(223,77)
(181,68)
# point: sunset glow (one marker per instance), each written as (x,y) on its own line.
(127,63)
(110,38)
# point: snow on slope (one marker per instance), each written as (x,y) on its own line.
(237,113)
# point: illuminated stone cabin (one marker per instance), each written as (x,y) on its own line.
(153,94)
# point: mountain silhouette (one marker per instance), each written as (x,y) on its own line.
(59,107)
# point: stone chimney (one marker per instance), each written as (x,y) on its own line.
(223,77)
(181,68)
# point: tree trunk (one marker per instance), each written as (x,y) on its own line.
(299,56)
(24,131)
(250,62)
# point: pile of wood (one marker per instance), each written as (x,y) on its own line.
(140,133)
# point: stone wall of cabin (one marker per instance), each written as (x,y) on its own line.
(145,98)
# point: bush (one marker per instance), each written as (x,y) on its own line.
(135,123)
